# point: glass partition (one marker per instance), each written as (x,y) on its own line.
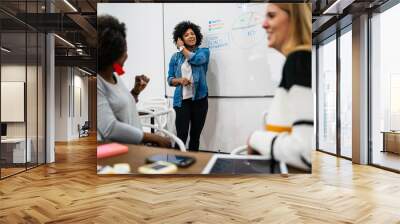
(345,93)
(327,96)
(13,105)
(22,78)
(385,89)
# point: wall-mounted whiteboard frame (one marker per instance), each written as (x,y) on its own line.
(241,65)
(12,101)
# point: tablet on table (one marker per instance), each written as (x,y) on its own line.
(243,164)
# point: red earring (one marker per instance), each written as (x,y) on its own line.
(118,69)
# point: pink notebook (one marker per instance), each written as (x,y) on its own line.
(112,149)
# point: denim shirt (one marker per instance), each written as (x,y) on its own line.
(198,60)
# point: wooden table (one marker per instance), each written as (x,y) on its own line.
(391,141)
(137,155)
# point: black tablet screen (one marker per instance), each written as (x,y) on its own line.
(244,166)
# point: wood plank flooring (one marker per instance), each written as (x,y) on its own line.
(10,171)
(387,159)
(69,191)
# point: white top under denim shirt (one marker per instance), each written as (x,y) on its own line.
(117,117)
(198,60)
(186,69)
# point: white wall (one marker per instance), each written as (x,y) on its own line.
(12,73)
(61,103)
(80,101)
(85,98)
(231,121)
(145,49)
(67,115)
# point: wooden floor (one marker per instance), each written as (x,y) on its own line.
(69,191)
(5,172)
(387,159)
(10,171)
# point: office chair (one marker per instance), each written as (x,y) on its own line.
(84,130)
(241,150)
(164,118)
(166,121)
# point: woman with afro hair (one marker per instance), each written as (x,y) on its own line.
(187,72)
(117,117)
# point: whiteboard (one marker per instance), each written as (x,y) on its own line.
(241,64)
(12,101)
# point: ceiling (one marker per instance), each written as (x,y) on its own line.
(332,15)
(77,24)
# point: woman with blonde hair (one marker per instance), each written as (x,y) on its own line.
(289,127)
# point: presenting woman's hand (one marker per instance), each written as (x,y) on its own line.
(181,81)
(185,81)
(180,43)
